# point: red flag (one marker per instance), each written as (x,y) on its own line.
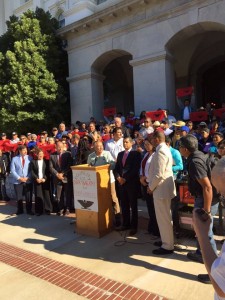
(199,116)
(157,115)
(109,111)
(219,112)
(185,196)
(185,91)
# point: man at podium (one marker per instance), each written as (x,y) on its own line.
(102,157)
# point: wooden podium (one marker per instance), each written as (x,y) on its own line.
(92,199)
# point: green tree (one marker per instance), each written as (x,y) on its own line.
(32,89)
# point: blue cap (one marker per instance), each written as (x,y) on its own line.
(185,128)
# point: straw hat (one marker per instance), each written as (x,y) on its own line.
(179,123)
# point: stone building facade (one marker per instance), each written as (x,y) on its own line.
(134,54)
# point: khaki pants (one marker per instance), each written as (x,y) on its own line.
(164,220)
(116,206)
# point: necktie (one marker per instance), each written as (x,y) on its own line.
(23,161)
(143,163)
(124,158)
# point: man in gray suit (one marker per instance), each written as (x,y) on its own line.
(161,184)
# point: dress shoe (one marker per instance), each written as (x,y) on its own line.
(30,213)
(38,215)
(194,256)
(60,213)
(158,244)
(48,212)
(162,251)
(122,228)
(204,278)
(132,232)
(66,212)
(19,212)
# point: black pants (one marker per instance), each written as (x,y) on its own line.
(42,197)
(152,223)
(24,189)
(128,200)
(3,188)
(63,195)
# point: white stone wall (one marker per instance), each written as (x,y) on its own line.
(167,40)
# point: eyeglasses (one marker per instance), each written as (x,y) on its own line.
(221,147)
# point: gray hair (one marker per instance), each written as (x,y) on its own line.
(189,142)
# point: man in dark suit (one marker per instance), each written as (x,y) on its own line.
(127,174)
(4,171)
(59,165)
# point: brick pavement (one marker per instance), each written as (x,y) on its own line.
(75,280)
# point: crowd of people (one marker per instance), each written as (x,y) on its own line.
(147,158)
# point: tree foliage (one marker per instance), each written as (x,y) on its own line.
(33,70)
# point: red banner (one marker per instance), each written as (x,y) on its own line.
(109,111)
(199,116)
(157,115)
(219,112)
(184,92)
(185,196)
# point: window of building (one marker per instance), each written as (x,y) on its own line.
(61,20)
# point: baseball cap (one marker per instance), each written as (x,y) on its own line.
(3,134)
(14,133)
(185,128)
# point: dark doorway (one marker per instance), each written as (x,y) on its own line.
(213,84)
(118,85)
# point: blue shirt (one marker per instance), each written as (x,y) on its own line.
(177,161)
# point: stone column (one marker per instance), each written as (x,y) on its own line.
(154,82)
(86,100)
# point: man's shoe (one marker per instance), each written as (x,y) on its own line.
(204,278)
(30,213)
(158,244)
(132,232)
(122,228)
(162,251)
(195,257)
(60,213)
(66,212)
(19,212)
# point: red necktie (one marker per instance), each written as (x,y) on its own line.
(143,163)
(124,158)
(23,161)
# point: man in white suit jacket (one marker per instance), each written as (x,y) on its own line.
(161,184)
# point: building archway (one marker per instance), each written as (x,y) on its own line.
(199,54)
(118,80)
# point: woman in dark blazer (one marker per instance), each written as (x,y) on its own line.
(41,184)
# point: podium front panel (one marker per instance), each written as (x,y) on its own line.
(92,200)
